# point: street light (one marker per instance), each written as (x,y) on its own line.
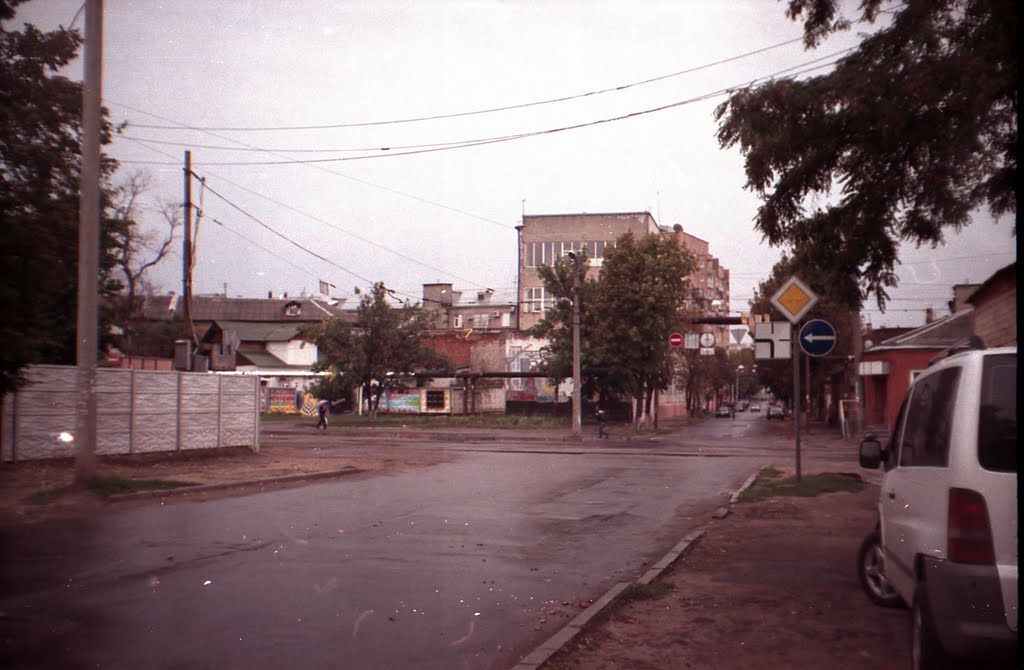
(577,414)
(736,393)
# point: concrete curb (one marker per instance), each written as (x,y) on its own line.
(203,488)
(746,485)
(539,656)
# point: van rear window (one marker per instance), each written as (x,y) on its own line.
(997,425)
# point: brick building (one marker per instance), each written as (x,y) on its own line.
(546,238)
(995,308)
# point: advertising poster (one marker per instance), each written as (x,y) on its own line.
(281,401)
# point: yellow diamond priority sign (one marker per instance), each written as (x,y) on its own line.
(794,299)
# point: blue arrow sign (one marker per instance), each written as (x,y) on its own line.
(817,337)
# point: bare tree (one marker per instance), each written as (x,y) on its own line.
(135,251)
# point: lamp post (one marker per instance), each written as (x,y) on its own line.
(736,391)
(577,411)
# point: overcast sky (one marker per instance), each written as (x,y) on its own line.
(328,203)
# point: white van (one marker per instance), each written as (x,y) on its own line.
(948,507)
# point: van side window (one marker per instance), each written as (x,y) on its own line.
(925,437)
(997,424)
(892,448)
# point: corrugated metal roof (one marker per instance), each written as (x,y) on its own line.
(941,333)
(220,308)
(249,331)
(264,359)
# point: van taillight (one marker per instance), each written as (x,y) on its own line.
(970,533)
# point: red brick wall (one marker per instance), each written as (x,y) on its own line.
(995,313)
(882,410)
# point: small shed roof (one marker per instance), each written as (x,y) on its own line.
(264,360)
(249,331)
(939,334)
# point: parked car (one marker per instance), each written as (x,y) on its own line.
(755,408)
(723,410)
(741,406)
(775,412)
(948,508)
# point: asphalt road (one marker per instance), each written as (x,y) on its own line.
(468,564)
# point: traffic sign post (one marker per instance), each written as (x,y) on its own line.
(794,299)
(817,337)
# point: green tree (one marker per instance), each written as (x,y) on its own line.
(626,316)
(915,129)
(640,302)
(556,327)
(40,154)
(381,352)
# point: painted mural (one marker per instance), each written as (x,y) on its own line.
(526,356)
(401,403)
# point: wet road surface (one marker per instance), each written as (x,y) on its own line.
(468,564)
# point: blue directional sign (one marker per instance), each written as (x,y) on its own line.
(817,337)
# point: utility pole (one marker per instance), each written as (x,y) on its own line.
(89,247)
(186,266)
(577,411)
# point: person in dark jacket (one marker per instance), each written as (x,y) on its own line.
(321,411)
(601,432)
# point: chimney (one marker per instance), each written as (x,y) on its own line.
(929,315)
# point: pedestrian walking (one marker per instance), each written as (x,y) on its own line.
(601,432)
(321,411)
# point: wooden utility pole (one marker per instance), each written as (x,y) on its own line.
(186,264)
(89,248)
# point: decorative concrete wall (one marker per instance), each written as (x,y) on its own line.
(138,411)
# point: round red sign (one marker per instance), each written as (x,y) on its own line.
(675,340)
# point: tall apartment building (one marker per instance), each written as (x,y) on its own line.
(545,238)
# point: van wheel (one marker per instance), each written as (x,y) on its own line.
(925,649)
(871,572)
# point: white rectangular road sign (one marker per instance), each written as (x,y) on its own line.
(691,341)
(772,340)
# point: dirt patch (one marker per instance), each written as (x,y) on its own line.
(39,490)
(773,586)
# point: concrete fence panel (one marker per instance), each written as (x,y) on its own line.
(138,411)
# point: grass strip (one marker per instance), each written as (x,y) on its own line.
(105,487)
(770,483)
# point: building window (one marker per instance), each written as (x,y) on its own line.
(533,299)
(457,321)
(481,320)
(435,400)
(546,253)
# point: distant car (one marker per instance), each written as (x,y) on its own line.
(775,412)
(723,410)
(755,408)
(742,405)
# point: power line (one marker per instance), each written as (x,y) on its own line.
(319,167)
(285,237)
(356,236)
(490,110)
(327,223)
(795,71)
